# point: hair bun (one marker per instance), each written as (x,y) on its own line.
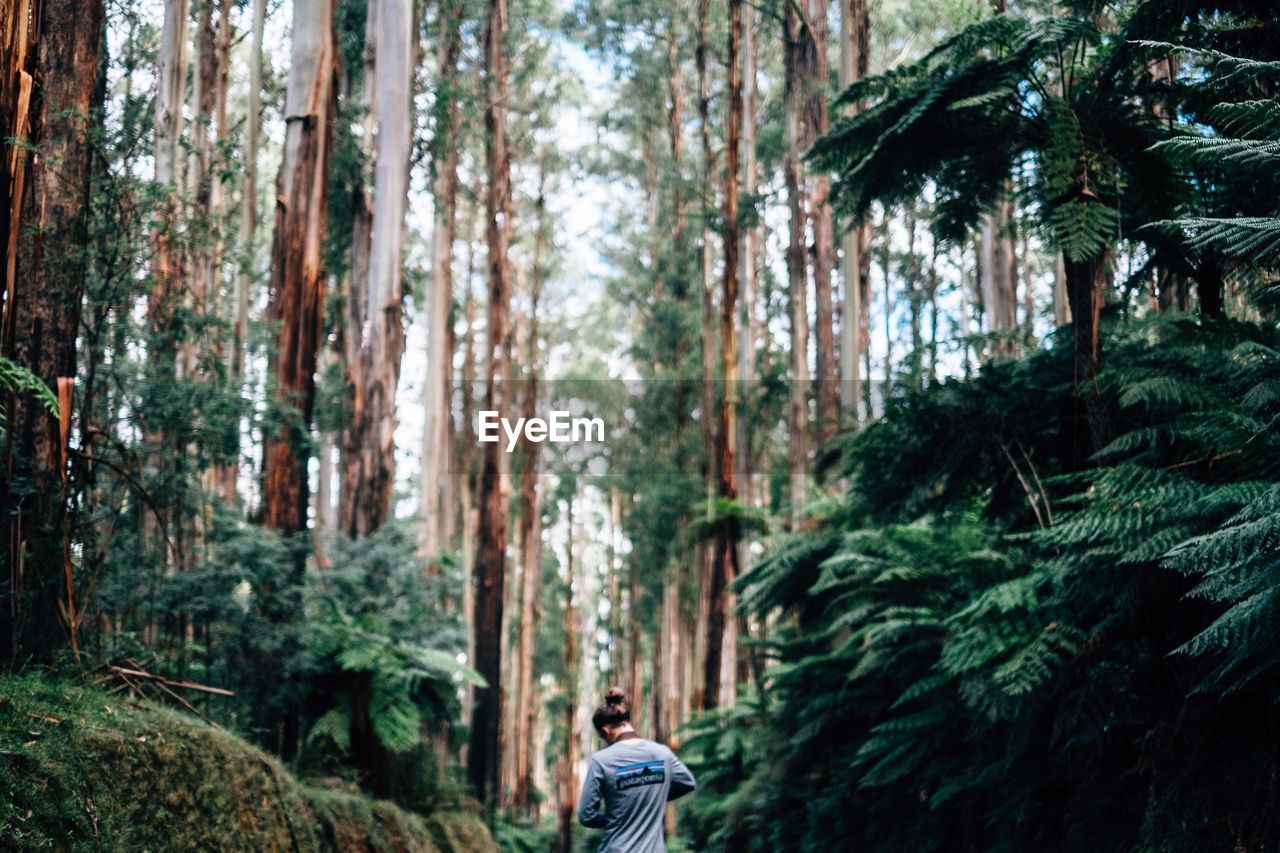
(615,696)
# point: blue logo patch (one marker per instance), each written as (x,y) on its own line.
(635,775)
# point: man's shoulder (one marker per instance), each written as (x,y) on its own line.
(632,747)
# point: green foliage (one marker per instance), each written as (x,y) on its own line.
(16,379)
(1049,99)
(954,669)
(1236,157)
(375,631)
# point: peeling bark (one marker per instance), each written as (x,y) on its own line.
(48,100)
(297,279)
(377,334)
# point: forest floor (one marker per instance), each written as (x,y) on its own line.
(84,769)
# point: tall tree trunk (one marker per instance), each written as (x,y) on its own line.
(171,83)
(996,261)
(747,252)
(915,300)
(371,438)
(886,258)
(567,792)
(797,267)
(167,270)
(248,227)
(675,120)
(53,71)
(530,533)
(1028,288)
(665,677)
(356,84)
(747,288)
(297,279)
(446,147)
(725,561)
(467,447)
(933,311)
(855,30)
(707,403)
(1061,305)
(209,131)
(486,718)
(814,38)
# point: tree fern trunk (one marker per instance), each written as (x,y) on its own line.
(1086,289)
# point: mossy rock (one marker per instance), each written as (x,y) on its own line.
(81,769)
(462,831)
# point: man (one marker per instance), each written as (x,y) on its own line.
(633,779)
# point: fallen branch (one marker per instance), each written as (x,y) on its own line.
(167,682)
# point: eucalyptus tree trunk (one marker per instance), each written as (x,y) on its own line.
(725,559)
(747,252)
(470,513)
(854,53)
(230,474)
(996,261)
(248,194)
(797,269)
(707,403)
(53,71)
(357,83)
(747,288)
(436,458)
(167,266)
(215,61)
(171,82)
(247,227)
(530,532)
(916,297)
(667,641)
(933,312)
(886,258)
(1028,287)
(486,718)
(675,135)
(1061,305)
(209,130)
(815,35)
(297,276)
(567,781)
(369,466)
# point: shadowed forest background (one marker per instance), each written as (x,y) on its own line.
(936,342)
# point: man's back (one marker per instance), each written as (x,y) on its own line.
(632,781)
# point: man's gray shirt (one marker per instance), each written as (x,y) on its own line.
(626,792)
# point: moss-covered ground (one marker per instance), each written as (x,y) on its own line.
(81,769)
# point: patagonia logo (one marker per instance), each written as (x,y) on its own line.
(635,775)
